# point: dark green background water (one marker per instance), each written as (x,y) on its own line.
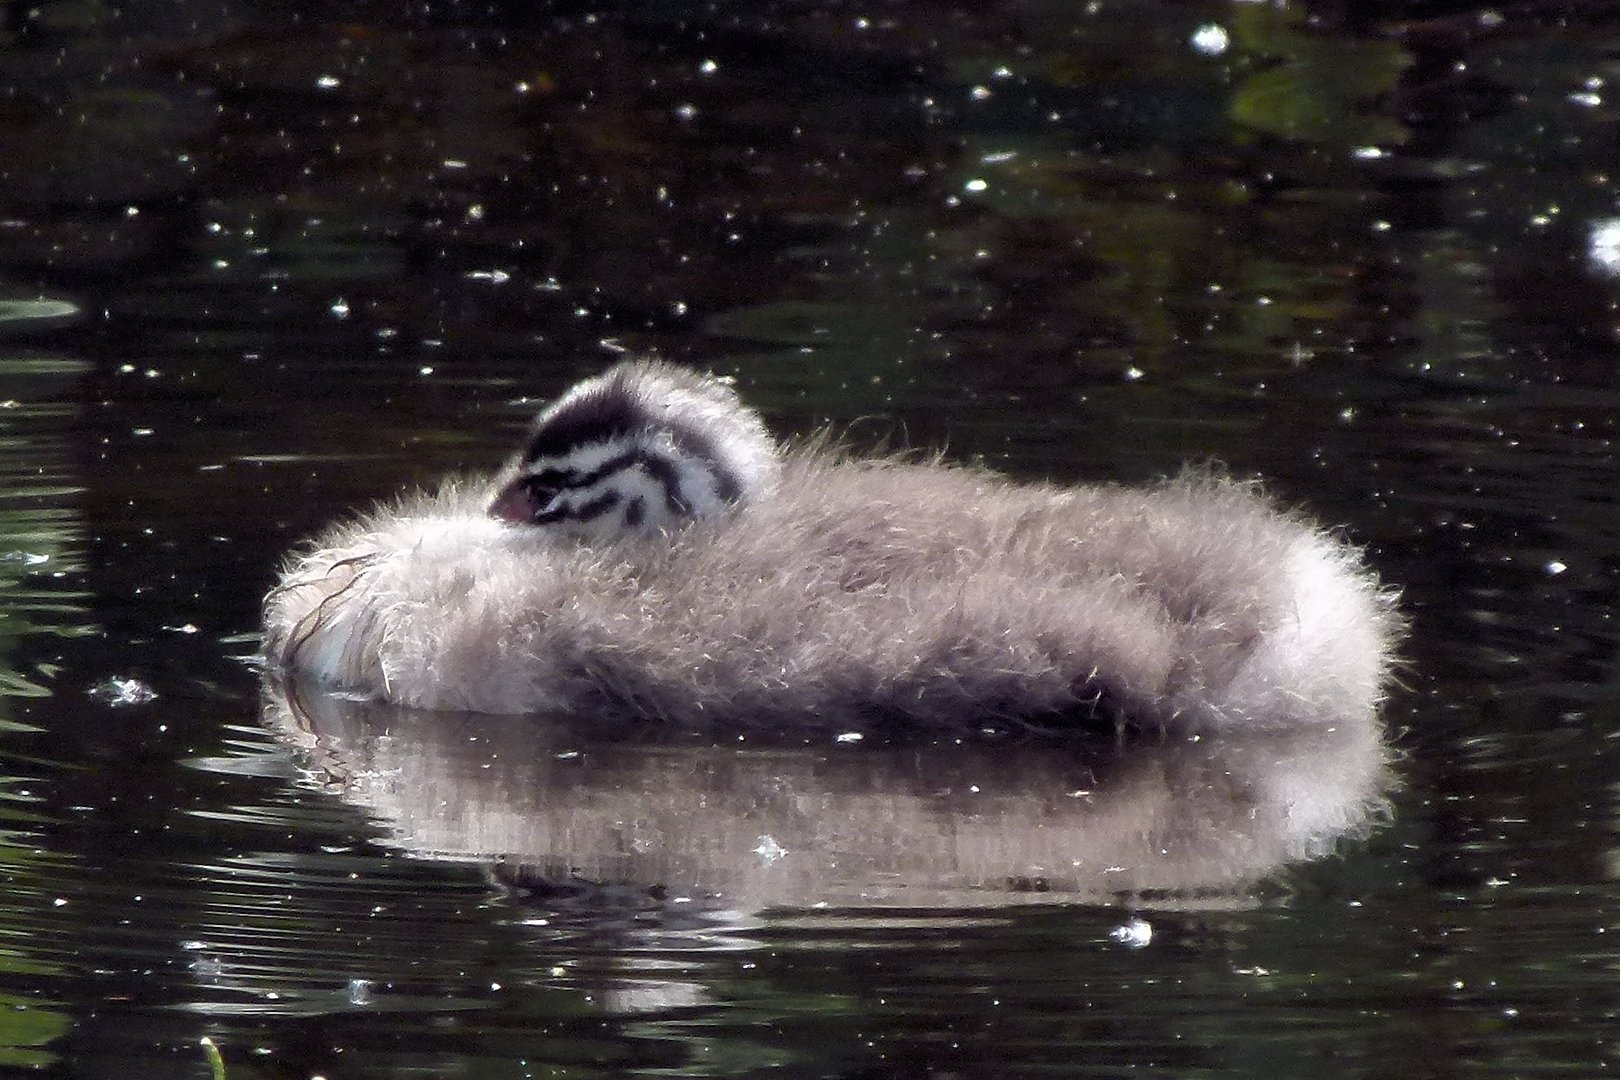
(261,263)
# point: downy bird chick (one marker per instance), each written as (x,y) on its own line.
(651,551)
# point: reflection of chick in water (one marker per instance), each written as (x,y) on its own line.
(748,824)
(651,552)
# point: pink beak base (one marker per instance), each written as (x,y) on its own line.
(514,504)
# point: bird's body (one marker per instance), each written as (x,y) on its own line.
(830,588)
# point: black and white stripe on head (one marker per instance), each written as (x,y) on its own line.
(639,450)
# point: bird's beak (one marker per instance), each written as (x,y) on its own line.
(514,504)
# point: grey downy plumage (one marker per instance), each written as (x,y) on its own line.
(652,551)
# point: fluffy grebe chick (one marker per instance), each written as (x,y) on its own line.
(651,551)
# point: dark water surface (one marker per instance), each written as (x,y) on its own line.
(264,262)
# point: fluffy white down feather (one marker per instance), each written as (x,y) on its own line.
(922,593)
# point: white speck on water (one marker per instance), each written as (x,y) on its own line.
(1603,246)
(1211,39)
(119,692)
(769,850)
(1136,933)
(1555,567)
(849,737)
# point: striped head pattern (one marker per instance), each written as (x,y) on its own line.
(640,449)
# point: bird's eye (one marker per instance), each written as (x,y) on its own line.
(545,485)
